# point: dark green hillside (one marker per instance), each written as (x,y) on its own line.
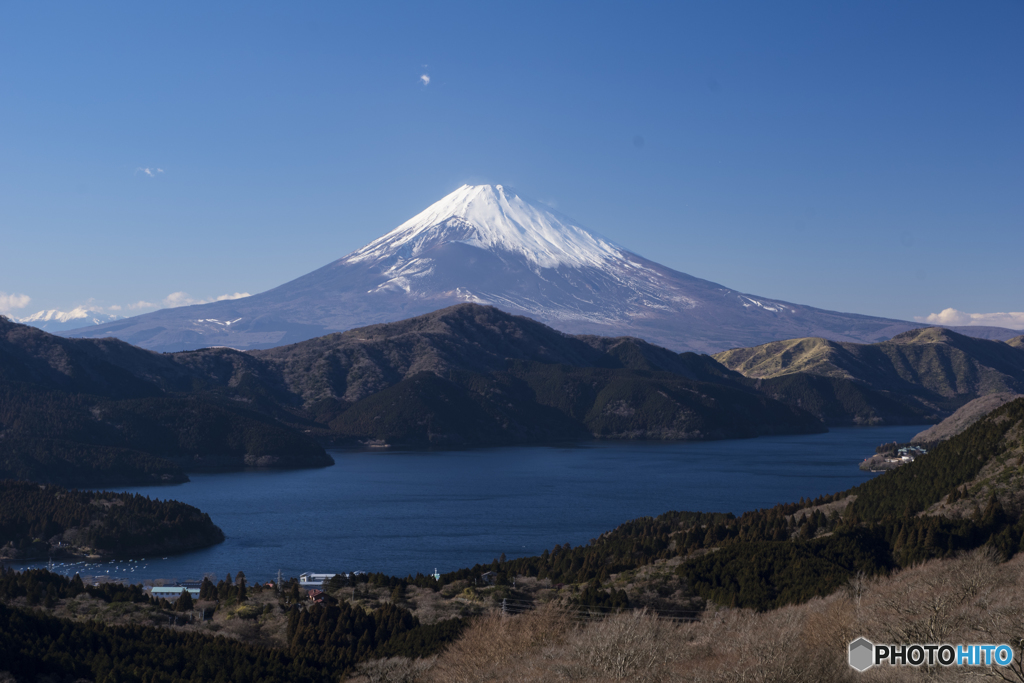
(81,440)
(72,463)
(839,401)
(41,521)
(636,354)
(464,376)
(964,494)
(910,380)
(507,379)
(101,367)
(355,364)
(323,642)
(479,339)
(628,404)
(101,412)
(430,411)
(534,403)
(913,488)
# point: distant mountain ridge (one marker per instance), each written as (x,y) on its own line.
(80,412)
(486,244)
(472,375)
(64,321)
(465,376)
(933,369)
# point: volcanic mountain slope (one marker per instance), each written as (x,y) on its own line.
(486,244)
(935,368)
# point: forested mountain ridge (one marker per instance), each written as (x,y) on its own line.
(50,521)
(102,412)
(464,376)
(473,375)
(103,367)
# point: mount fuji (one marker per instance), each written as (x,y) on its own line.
(486,244)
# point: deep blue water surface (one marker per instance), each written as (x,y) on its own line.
(402,513)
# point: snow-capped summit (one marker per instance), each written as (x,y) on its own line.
(494,217)
(488,244)
(55,320)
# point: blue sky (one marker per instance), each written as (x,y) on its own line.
(856,156)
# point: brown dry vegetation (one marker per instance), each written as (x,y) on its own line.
(968,599)
(261,620)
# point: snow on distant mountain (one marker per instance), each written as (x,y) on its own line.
(63,321)
(487,244)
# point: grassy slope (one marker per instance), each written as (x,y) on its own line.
(929,372)
(964,417)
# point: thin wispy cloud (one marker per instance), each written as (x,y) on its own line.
(9,302)
(151,172)
(139,305)
(951,316)
(177,299)
(425,79)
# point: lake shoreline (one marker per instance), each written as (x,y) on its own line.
(408,512)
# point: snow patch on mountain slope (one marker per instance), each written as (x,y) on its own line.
(774,306)
(215,321)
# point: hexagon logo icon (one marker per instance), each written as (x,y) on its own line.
(862,653)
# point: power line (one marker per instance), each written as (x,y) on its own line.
(587,613)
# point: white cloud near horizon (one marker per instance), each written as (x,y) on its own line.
(176,299)
(9,302)
(951,316)
(425,79)
(151,172)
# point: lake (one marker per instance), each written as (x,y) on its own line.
(402,512)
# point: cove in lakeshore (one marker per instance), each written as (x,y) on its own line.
(401,512)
